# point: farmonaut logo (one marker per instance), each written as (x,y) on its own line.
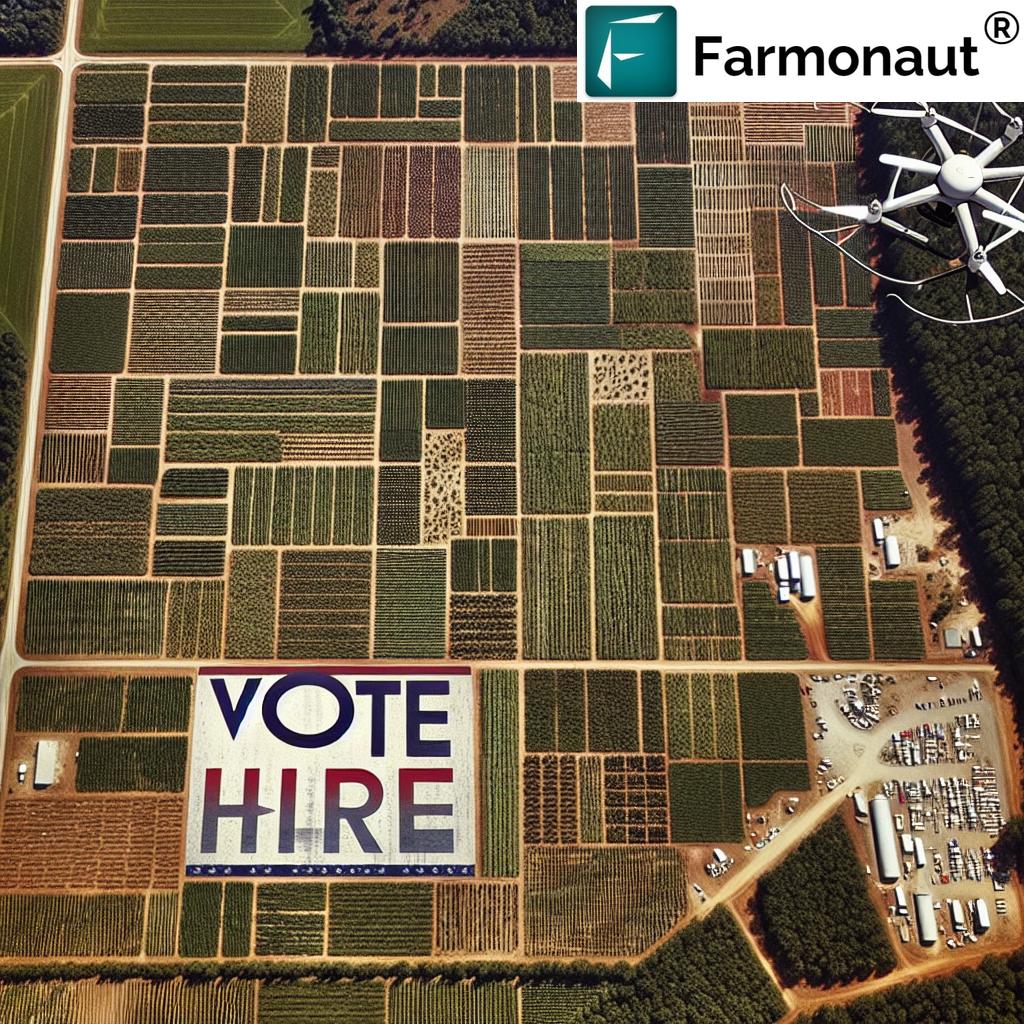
(630,50)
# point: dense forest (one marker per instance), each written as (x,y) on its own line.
(964,384)
(707,974)
(482,28)
(819,923)
(990,994)
(12,397)
(30,27)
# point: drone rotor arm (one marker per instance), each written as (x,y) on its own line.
(911,199)
(939,141)
(1002,173)
(906,163)
(965,221)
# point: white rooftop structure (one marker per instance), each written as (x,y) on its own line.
(982,922)
(808,584)
(877,530)
(46,764)
(793,557)
(891,551)
(927,928)
(885,839)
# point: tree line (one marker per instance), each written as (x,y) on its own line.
(992,993)
(482,28)
(31,28)
(12,397)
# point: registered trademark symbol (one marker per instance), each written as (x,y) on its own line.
(1002,27)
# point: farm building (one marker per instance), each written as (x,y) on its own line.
(877,530)
(793,557)
(901,901)
(956,915)
(982,922)
(951,638)
(885,839)
(927,929)
(808,584)
(46,764)
(891,549)
(748,561)
(976,636)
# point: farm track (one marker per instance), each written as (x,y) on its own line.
(67,61)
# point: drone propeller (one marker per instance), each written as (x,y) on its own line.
(987,271)
(906,163)
(857,213)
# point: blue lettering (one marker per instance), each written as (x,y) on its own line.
(234,715)
(378,692)
(346,709)
(416,718)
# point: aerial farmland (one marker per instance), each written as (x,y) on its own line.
(424,367)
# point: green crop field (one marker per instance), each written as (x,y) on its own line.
(187,26)
(28,111)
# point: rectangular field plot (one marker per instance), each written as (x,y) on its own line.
(627,897)
(116,26)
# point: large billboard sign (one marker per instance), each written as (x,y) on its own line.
(360,770)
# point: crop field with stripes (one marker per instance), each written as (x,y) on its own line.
(428,361)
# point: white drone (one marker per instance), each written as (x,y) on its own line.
(957,181)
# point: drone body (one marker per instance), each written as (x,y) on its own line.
(954,180)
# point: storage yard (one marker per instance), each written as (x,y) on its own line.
(931,804)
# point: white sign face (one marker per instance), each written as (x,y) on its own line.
(366,770)
(800,51)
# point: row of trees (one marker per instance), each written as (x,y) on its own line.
(990,994)
(12,397)
(819,922)
(30,27)
(483,28)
